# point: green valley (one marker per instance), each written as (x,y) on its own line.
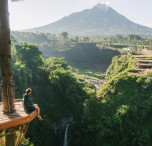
(113,115)
(75,73)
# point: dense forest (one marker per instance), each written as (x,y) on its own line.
(79,52)
(115,115)
(54,88)
(121,112)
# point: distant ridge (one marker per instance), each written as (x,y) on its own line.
(101,19)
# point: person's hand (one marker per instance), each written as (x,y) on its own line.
(36,105)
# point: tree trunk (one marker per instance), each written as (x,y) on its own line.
(5,59)
(10,139)
(6,68)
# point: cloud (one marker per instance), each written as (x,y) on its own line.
(149,25)
(105,2)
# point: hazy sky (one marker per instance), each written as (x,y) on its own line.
(34,13)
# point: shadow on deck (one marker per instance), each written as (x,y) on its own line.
(19,117)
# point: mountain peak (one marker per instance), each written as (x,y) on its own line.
(102,6)
(101,19)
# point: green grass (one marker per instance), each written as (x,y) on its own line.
(88,73)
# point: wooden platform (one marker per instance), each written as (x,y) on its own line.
(16,118)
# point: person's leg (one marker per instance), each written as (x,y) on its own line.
(38,113)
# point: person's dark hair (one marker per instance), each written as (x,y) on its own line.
(28,90)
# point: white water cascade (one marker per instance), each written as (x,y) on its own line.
(66,136)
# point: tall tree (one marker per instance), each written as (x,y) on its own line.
(65,35)
(7,82)
(5,59)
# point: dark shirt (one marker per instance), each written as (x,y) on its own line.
(27,104)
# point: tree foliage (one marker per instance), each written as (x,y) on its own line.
(121,115)
(54,88)
(120,64)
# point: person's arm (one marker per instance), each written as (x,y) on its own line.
(28,105)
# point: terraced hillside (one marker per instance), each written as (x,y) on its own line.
(144,63)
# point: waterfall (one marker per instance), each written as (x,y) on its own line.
(66,136)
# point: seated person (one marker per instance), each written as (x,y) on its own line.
(28,105)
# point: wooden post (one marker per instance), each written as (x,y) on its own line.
(10,139)
(5,64)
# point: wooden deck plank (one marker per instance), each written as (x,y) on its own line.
(16,118)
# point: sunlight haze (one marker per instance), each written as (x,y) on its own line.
(34,13)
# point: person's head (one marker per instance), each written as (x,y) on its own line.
(28,91)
